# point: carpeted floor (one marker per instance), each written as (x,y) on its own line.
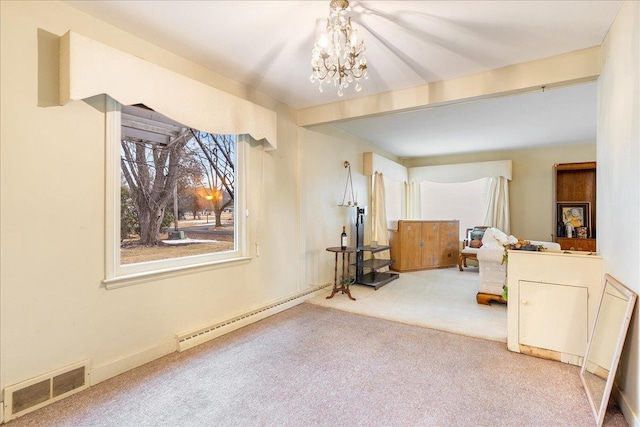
(443,299)
(316,366)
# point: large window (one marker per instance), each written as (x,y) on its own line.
(181,194)
(464,201)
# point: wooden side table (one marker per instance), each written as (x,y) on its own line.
(344,284)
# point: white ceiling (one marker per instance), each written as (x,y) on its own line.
(267,45)
(554,117)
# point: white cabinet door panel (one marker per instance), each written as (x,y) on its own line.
(553,317)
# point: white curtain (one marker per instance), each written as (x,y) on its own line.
(380,231)
(413,199)
(497,213)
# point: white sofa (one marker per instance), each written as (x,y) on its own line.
(493,272)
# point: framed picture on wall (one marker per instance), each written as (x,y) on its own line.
(578,214)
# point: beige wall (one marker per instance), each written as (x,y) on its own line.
(53,215)
(531,196)
(323,152)
(618,177)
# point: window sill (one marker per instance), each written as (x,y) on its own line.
(135,279)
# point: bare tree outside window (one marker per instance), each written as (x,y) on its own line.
(174,178)
(215,154)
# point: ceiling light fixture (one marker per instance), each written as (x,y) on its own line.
(337,55)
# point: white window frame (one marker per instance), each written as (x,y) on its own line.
(116,274)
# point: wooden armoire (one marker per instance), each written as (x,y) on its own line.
(419,245)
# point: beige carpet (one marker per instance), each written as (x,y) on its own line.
(316,366)
(442,299)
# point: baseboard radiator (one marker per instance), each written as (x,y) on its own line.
(193,338)
(27,396)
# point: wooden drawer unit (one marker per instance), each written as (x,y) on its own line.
(588,245)
(418,245)
(449,245)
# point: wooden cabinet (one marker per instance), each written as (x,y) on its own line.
(576,183)
(418,245)
(567,244)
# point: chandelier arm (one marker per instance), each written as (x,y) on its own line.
(329,69)
(324,71)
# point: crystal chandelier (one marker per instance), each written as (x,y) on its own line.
(338,56)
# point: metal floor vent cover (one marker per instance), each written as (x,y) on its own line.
(45,389)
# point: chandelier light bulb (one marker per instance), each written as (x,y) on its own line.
(353,39)
(323,41)
(338,55)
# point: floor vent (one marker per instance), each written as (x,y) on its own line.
(27,396)
(194,338)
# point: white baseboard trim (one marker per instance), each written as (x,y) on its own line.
(627,411)
(126,363)
(201,335)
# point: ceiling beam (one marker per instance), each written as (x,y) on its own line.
(563,70)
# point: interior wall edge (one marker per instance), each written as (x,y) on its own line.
(625,406)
